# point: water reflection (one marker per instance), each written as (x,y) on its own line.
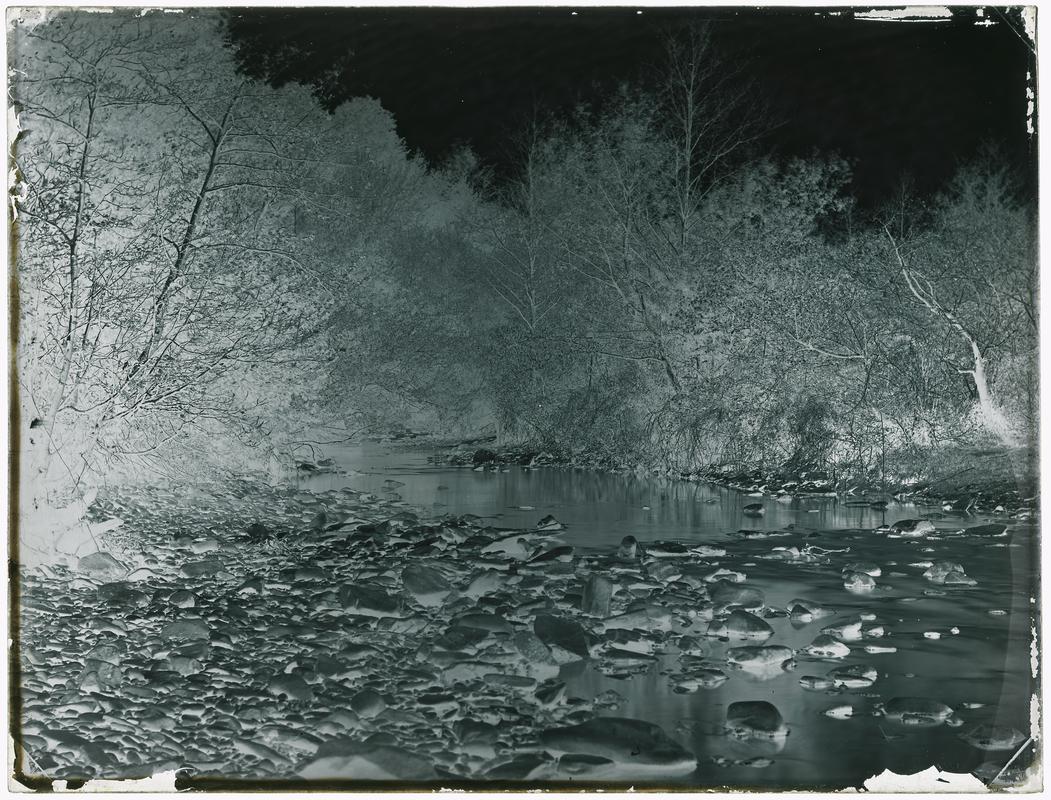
(977,658)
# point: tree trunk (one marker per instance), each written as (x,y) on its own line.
(992,416)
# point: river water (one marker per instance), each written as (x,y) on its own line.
(947,645)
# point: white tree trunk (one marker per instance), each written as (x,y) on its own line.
(992,416)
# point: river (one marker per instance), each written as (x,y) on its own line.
(947,646)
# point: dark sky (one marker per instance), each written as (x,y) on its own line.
(893,97)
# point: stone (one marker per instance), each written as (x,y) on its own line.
(755,719)
(911,527)
(185,629)
(549,523)
(598,593)
(741,625)
(369,602)
(367,703)
(562,633)
(629,548)
(101,565)
(182,598)
(291,686)
(426,585)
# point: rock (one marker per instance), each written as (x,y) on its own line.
(369,602)
(514,546)
(426,585)
(197,569)
(815,684)
(991,529)
(753,510)
(651,617)
(205,545)
(352,760)
(727,593)
(847,632)
(258,532)
(483,622)
(993,737)
(856,676)
(917,711)
(759,658)
(291,686)
(563,554)
(802,610)
(120,593)
(741,625)
(840,712)
(598,593)
(938,571)
(185,629)
(532,649)
(858,582)
(549,523)
(182,598)
(640,746)
(101,565)
(485,583)
(483,456)
(956,578)
(911,527)
(629,548)
(865,567)
(560,633)
(825,646)
(755,719)
(367,704)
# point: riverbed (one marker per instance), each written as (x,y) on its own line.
(965,646)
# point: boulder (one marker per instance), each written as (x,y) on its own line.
(755,719)
(911,527)
(101,565)
(561,634)
(741,625)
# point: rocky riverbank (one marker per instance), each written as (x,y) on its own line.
(979,481)
(247,637)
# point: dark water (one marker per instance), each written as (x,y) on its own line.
(986,664)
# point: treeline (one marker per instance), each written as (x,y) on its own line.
(211,268)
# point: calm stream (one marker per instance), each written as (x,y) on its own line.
(979,664)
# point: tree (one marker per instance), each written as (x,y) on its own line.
(157,191)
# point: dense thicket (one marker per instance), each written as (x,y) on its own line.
(200,255)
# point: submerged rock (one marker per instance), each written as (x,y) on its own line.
(753,510)
(993,737)
(755,719)
(635,744)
